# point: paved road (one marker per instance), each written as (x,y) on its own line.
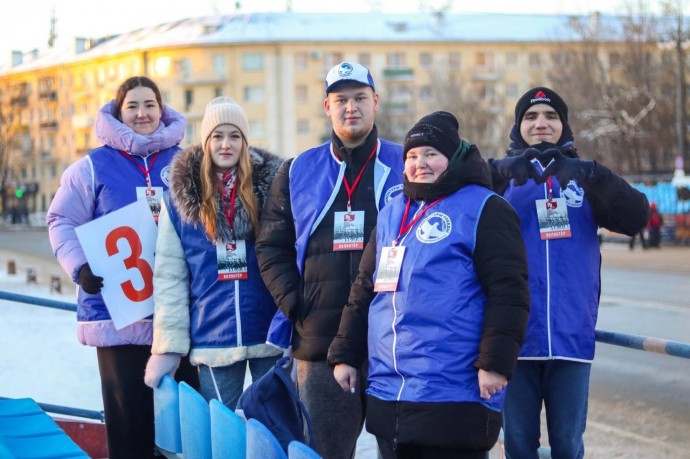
(639,401)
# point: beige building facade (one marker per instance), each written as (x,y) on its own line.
(50,100)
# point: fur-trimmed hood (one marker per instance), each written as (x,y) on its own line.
(185,190)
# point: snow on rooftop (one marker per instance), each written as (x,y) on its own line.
(319,27)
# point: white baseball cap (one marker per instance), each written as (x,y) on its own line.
(349,71)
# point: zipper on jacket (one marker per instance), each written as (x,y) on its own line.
(548,286)
(238,319)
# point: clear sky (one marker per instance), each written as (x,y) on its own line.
(25,24)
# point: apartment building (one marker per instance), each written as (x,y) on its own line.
(274,65)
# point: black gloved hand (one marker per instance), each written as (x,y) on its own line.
(89,282)
(566,169)
(518,167)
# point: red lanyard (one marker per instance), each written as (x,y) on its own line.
(549,189)
(351,189)
(405,227)
(146,171)
(230,216)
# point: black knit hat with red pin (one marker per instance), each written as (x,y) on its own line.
(541,95)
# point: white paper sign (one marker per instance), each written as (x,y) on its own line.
(120,247)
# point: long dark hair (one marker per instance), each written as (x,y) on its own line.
(131,83)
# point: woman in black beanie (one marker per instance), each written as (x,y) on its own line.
(442,302)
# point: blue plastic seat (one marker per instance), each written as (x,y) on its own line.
(26,431)
(166,413)
(261,443)
(5,452)
(18,407)
(228,433)
(298,450)
(54,446)
(195,424)
(30,425)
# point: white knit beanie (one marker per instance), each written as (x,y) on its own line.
(223,110)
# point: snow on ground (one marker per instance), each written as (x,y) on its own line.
(42,357)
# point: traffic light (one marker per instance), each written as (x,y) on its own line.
(19,192)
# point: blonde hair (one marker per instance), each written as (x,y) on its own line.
(209,190)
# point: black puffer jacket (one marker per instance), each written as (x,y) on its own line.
(315,301)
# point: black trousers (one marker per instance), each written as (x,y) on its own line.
(128,402)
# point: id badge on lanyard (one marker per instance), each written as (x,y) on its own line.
(153,197)
(552,215)
(388,271)
(232,260)
(348,231)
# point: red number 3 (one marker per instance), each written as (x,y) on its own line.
(133,261)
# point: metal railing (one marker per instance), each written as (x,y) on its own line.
(643,343)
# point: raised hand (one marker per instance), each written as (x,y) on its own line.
(564,168)
(518,167)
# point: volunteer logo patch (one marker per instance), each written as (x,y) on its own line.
(165,175)
(573,194)
(434,228)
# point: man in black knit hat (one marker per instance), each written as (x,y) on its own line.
(561,200)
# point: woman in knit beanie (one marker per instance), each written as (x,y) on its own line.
(443,310)
(209,298)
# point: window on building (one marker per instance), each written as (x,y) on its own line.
(425,60)
(165,96)
(591,61)
(219,65)
(185,67)
(484,60)
(257,128)
(252,62)
(254,94)
(301,61)
(511,90)
(218,91)
(332,59)
(454,60)
(425,93)
(301,93)
(162,66)
(53,171)
(188,99)
(395,59)
(560,59)
(303,127)
(189,133)
(364,59)
(511,60)
(534,60)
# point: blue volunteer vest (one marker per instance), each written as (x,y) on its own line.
(115,181)
(315,179)
(424,337)
(564,275)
